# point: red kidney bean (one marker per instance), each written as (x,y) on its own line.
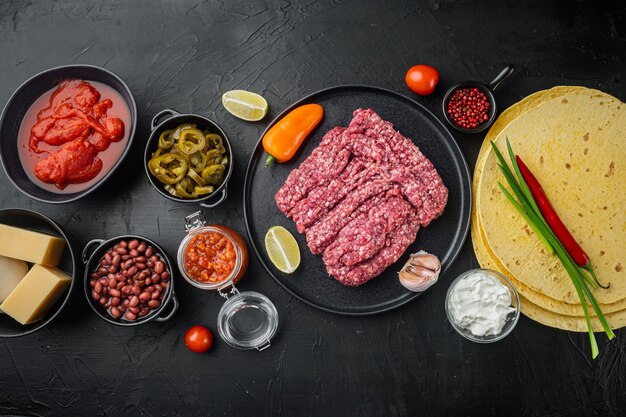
(104,300)
(159,267)
(149,251)
(115,301)
(154,258)
(123,243)
(126,303)
(141,259)
(126,289)
(95,295)
(132,271)
(142,247)
(140,266)
(116,260)
(134,253)
(136,290)
(144,296)
(154,303)
(165,276)
(130,316)
(102,271)
(155,295)
(119,286)
(112,282)
(134,310)
(98,287)
(143,312)
(115,312)
(133,244)
(112,269)
(121,251)
(125,257)
(133,301)
(115,293)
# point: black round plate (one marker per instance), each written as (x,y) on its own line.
(443,237)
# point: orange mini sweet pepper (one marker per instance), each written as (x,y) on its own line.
(284,138)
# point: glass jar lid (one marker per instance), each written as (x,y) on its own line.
(247,320)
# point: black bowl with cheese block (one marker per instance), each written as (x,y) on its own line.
(34,245)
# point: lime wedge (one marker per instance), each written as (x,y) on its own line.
(245,105)
(282,249)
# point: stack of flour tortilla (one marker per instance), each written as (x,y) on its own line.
(573,139)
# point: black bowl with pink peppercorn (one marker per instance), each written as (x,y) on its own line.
(470,106)
(128,280)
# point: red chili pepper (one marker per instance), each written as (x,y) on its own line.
(552,218)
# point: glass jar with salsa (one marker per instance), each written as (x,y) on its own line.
(214,257)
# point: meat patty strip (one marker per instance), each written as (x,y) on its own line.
(322,233)
(323,199)
(366,235)
(423,186)
(325,162)
(397,242)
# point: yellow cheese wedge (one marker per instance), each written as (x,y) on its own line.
(11,273)
(29,246)
(36,293)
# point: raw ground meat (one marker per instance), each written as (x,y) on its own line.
(326,161)
(361,196)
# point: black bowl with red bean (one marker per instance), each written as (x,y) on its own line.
(128,280)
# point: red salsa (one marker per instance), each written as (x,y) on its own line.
(66,136)
(210,257)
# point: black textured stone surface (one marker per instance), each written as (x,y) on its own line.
(183,55)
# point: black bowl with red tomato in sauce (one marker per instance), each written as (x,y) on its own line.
(65,131)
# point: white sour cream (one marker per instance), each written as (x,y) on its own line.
(480,303)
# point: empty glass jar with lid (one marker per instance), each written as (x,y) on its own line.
(215,258)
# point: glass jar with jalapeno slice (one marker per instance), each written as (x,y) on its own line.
(188,158)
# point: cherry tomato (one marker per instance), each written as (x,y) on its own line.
(198,339)
(422,79)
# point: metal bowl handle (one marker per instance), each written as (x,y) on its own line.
(87,252)
(163,113)
(218,202)
(174,302)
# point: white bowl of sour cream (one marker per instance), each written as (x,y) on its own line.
(482,305)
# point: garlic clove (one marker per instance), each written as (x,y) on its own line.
(425,260)
(420,271)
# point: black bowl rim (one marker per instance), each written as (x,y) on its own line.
(107,243)
(132,106)
(76,270)
(158,187)
(493,111)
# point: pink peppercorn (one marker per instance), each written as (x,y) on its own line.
(468,108)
